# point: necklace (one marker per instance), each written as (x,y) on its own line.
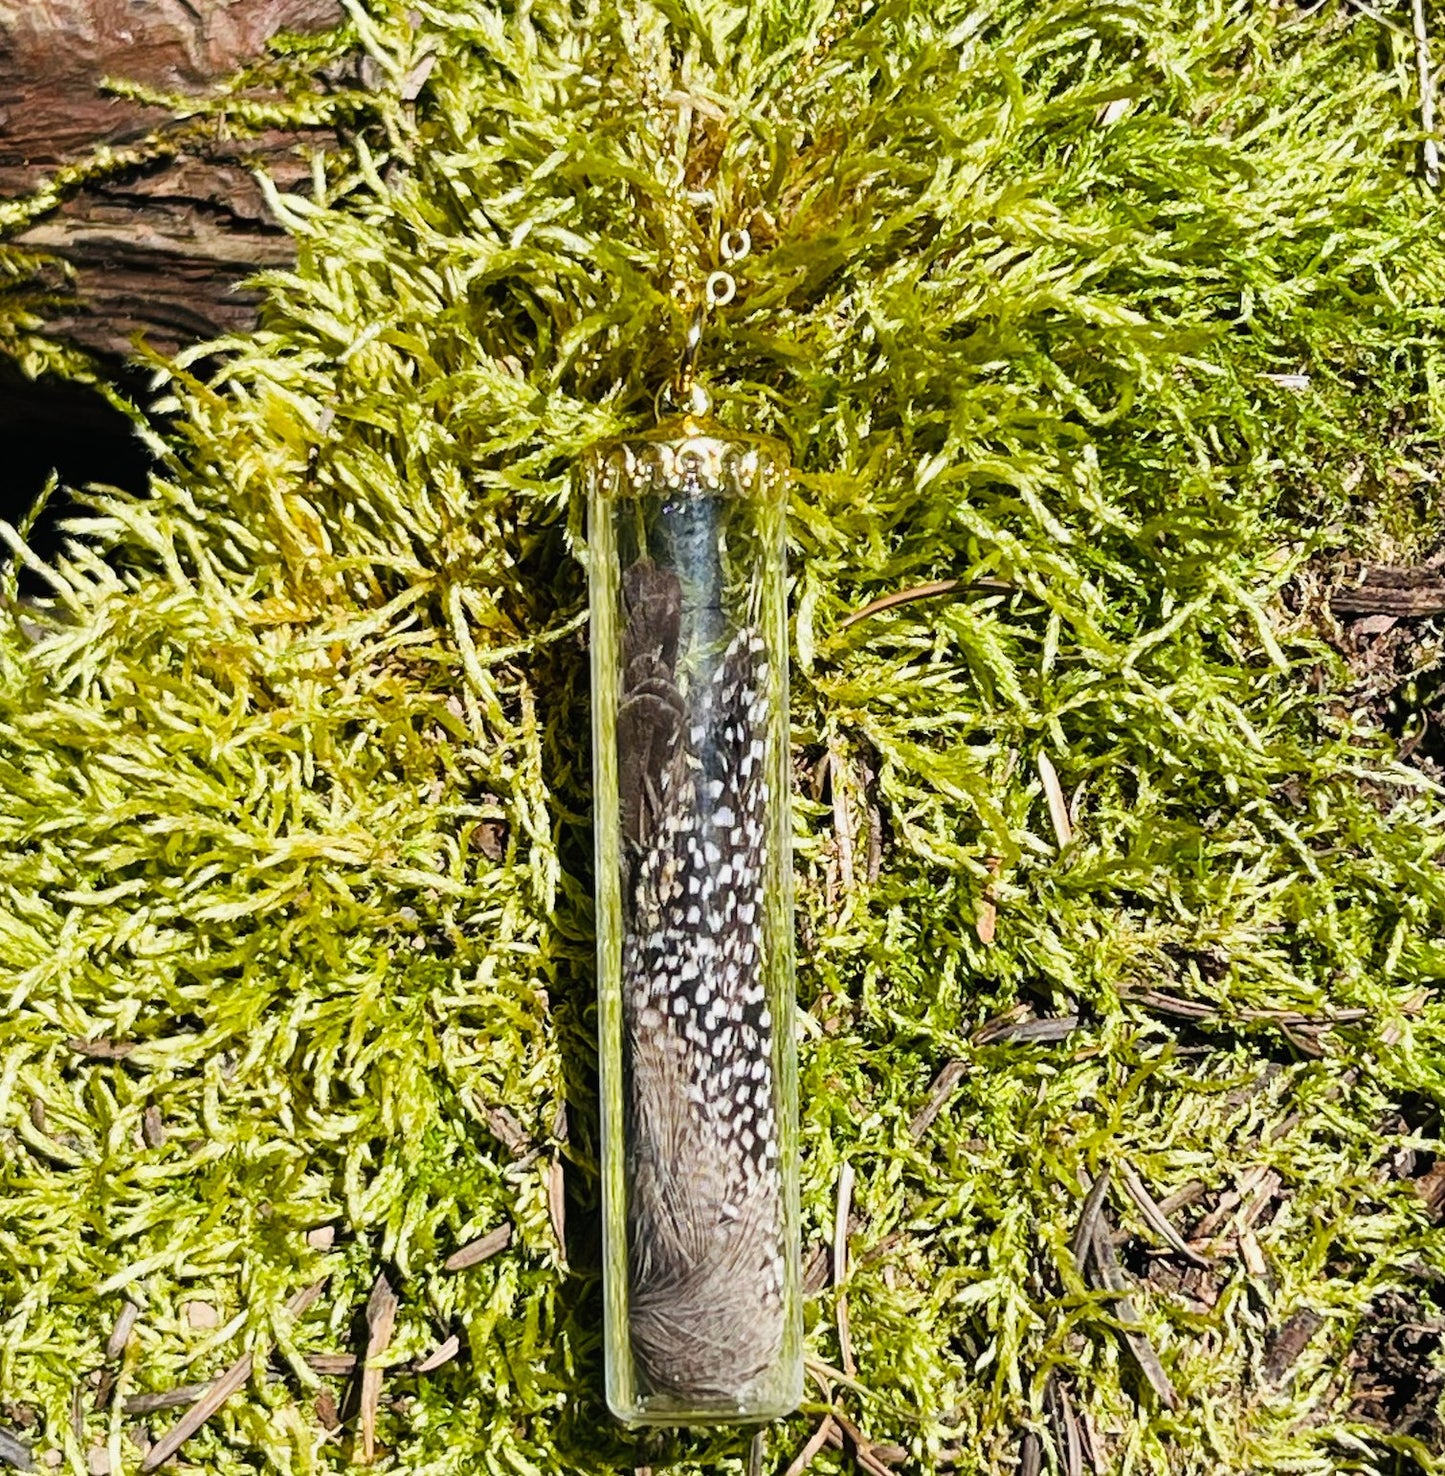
(694,909)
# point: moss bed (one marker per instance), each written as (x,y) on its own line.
(1123,319)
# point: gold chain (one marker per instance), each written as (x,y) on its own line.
(683,393)
(721,287)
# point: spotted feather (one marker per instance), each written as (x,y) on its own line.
(704,1210)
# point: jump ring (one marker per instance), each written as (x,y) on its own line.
(721,289)
(735,244)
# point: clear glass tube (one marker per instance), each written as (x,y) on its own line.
(687,548)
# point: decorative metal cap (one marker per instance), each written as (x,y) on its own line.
(690,457)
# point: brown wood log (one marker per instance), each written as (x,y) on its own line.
(159,249)
(1408,593)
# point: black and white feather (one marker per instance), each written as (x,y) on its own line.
(704,1205)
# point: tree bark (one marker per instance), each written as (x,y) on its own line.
(159,249)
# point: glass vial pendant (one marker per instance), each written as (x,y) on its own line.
(687,541)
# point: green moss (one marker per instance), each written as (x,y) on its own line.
(293,790)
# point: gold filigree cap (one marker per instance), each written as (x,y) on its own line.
(690,456)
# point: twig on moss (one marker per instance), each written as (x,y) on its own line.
(331,1363)
(922,592)
(1031,1454)
(1094,1447)
(1266,1190)
(443,1353)
(182,1394)
(816,1268)
(14,1452)
(944,1085)
(120,1334)
(875,845)
(557,1207)
(815,1442)
(1258,1186)
(1407,593)
(504,1127)
(1289,1341)
(381,1308)
(1303,1038)
(1111,1277)
(102,1048)
(1067,1438)
(986,922)
(1006,1028)
(844,1435)
(888,1452)
(114,1348)
(842,1211)
(104,1388)
(1089,1219)
(1183,1196)
(1058,805)
(1252,1254)
(327,1413)
(1157,1220)
(1300,1021)
(1203,1010)
(230,1382)
(480,1249)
